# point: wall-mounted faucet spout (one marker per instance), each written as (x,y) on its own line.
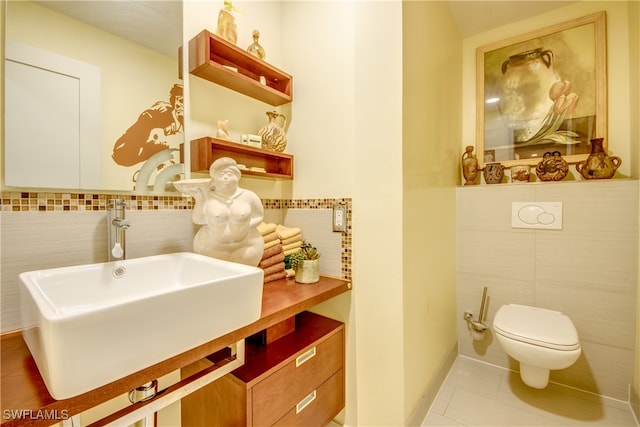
(121,223)
(116,226)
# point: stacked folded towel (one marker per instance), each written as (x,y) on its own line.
(291,239)
(268,232)
(272,261)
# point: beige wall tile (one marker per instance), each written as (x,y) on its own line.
(600,316)
(588,270)
(33,240)
(316,228)
(601,369)
(40,240)
(159,232)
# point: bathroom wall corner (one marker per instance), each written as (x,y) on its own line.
(634,401)
(431,391)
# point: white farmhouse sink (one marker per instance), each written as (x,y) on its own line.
(89,325)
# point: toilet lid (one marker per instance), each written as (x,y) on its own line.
(538,326)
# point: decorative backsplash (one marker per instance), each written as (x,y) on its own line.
(77,202)
(56,202)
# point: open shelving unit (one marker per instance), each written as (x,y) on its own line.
(205,150)
(216,60)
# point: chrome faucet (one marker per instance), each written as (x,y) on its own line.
(116,226)
(121,223)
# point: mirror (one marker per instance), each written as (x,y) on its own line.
(131,48)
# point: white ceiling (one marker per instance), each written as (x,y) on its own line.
(154,24)
(474,17)
(158,24)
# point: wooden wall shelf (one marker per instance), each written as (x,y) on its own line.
(210,56)
(206,149)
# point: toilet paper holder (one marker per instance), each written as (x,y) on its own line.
(477,327)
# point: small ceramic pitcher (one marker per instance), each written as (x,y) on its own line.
(493,173)
(599,165)
(273,134)
(469,166)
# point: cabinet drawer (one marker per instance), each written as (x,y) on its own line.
(277,394)
(318,407)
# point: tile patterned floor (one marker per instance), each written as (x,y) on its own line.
(478,394)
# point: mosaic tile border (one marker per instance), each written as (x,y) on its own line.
(347,240)
(16,201)
(74,202)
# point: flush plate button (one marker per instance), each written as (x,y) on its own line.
(538,215)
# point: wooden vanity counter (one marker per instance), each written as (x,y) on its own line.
(22,388)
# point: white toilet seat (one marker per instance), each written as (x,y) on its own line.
(536,326)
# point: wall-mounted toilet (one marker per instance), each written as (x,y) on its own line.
(539,339)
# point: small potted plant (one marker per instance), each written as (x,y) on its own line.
(306,263)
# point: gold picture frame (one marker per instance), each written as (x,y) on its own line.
(543,91)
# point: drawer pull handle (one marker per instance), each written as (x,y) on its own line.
(305,356)
(305,402)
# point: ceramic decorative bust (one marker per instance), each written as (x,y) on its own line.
(229,215)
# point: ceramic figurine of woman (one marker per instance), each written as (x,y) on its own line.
(227,28)
(229,215)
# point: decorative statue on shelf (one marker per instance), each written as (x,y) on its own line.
(254,48)
(227,28)
(273,134)
(223,129)
(469,166)
(229,215)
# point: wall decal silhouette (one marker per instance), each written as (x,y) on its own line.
(147,136)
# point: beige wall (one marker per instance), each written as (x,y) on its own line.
(431,134)
(372,144)
(619,46)
(398,323)
(206,103)
(623,46)
(634,86)
(3,29)
(588,270)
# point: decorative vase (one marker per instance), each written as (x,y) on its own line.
(469,166)
(493,173)
(598,165)
(520,173)
(227,28)
(255,48)
(309,271)
(524,91)
(273,135)
(552,167)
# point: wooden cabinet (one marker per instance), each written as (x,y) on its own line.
(295,380)
(216,60)
(205,150)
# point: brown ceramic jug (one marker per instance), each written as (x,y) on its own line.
(598,165)
(469,166)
